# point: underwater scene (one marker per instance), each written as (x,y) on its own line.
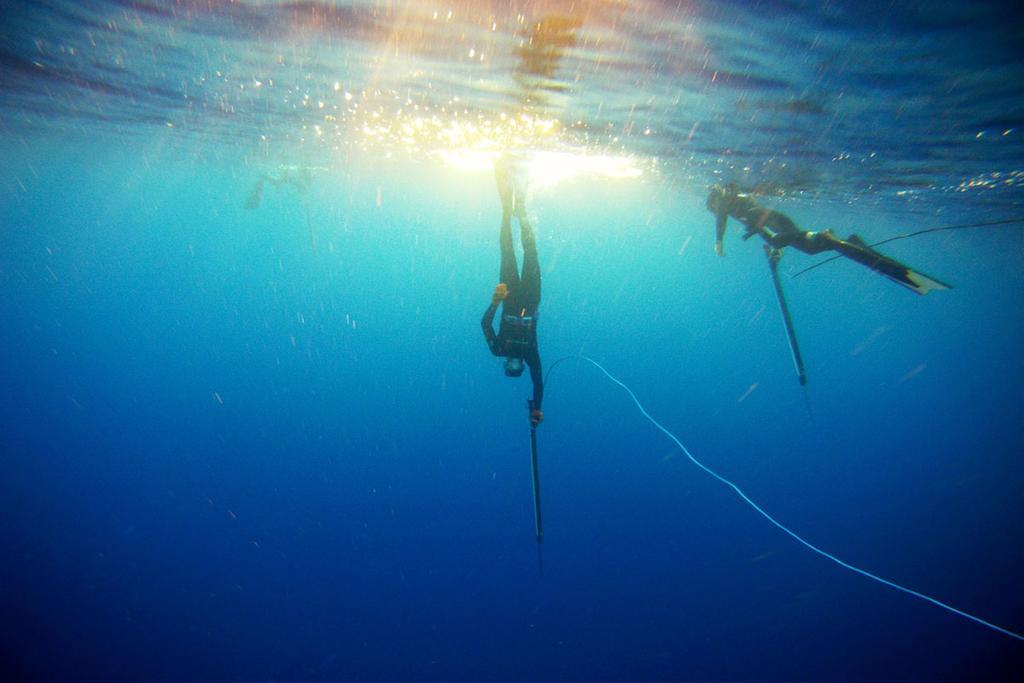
(540,340)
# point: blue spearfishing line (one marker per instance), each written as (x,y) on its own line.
(792,533)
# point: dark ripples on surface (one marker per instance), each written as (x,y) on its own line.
(845,99)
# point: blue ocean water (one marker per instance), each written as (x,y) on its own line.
(269,443)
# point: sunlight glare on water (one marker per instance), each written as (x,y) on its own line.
(834,100)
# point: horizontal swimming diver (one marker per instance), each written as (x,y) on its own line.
(779,231)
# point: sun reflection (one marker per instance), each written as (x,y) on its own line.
(408,109)
(469,159)
(420,129)
(471,142)
(546,168)
(551,168)
(468,135)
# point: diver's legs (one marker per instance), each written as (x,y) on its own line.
(816,242)
(852,248)
(530,297)
(509,271)
(855,249)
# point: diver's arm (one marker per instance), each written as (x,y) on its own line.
(720,220)
(487,324)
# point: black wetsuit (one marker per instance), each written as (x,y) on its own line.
(776,228)
(779,230)
(517,333)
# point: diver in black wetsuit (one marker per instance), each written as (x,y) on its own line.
(779,231)
(516,339)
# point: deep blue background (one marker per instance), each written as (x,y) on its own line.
(358,505)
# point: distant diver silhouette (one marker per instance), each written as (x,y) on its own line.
(299,177)
(782,527)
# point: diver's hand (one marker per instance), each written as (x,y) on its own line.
(719,249)
(500,292)
(536,417)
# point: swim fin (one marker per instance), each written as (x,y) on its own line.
(921,283)
(891,268)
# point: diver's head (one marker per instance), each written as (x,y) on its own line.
(513,367)
(721,196)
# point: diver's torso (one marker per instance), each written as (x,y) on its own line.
(517,336)
(758,218)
